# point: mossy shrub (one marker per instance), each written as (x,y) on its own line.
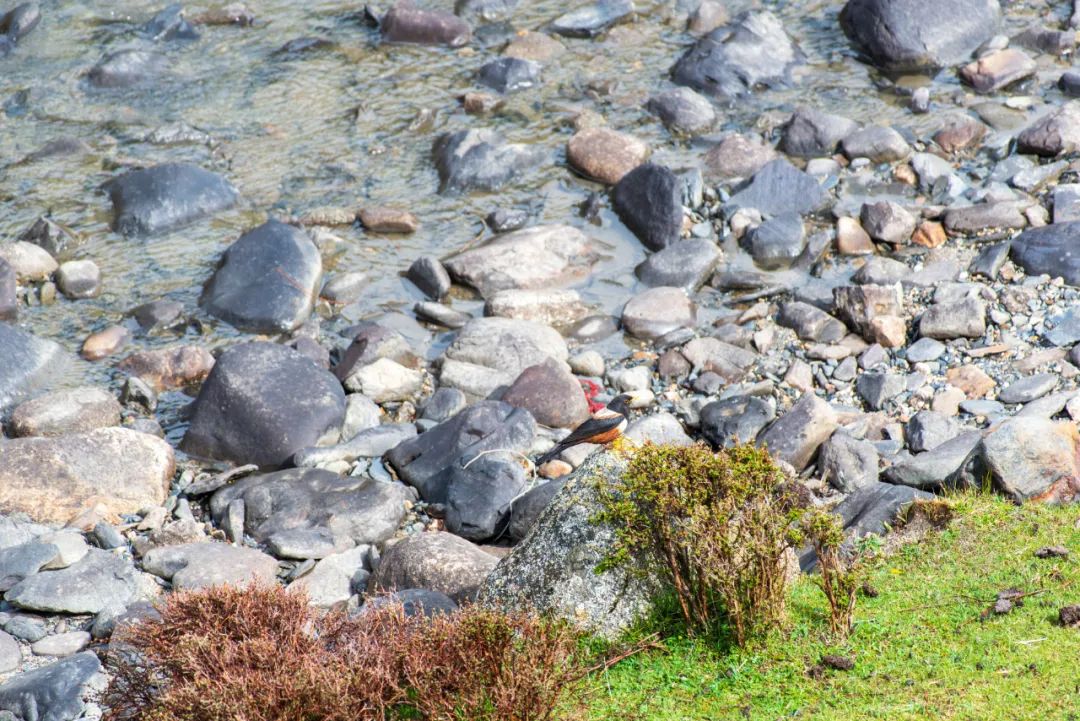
(719,526)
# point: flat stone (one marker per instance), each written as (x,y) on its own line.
(974,219)
(811,133)
(778,242)
(405,23)
(509,74)
(658,311)
(997,70)
(877,388)
(23,560)
(684,264)
(971,379)
(737,156)
(165,197)
(531,45)
(603,154)
(811,323)
(536,258)
(1029,388)
(429,275)
(962,319)
(555,307)
(50,693)
(778,188)
(279,401)
(71,411)
(990,260)
(61,644)
(1049,250)
(206,564)
(354,510)
(592,19)
(796,436)
(435,561)
(180,367)
(88,586)
(937,468)
(55,479)
(729,422)
(481,160)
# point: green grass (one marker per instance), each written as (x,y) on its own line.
(920,648)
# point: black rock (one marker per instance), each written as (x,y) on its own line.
(27,363)
(260,404)
(504,220)
(9,302)
(683,264)
(266,281)
(525,510)
(159,315)
(428,461)
(478,497)
(990,259)
(811,133)
(429,275)
(732,421)
(169,24)
(779,187)
(648,200)
(919,34)
(127,68)
(167,196)
(1051,249)
(50,693)
(480,160)
(1069,83)
(592,19)
(508,74)
(415,601)
(18,22)
(52,237)
(778,242)
(733,60)
(407,24)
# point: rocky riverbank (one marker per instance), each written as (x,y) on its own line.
(206,378)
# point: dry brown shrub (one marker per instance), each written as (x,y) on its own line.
(262,654)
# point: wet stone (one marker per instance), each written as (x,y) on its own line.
(480,159)
(164,197)
(1028,389)
(69,411)
(879,144)
(87,586)
(685,264)
(737,156)
(925,350)
(778,242)
(382,219)
(128,68)
(683,111)
(405,23)
(1069,83)
(592,19)
(159,315)
(779,187)
(9,302)
(205,564)
(1049,250)
(183,366)
(509,74)
(604,154)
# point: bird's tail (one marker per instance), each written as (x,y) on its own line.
(550,455)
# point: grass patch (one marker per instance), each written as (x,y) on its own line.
(921,649)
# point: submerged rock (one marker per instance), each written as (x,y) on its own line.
(27,363)
(480,159)
(165,197)
(127,68)
(592,19)
(405,23)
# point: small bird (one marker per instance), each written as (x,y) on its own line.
(606,425)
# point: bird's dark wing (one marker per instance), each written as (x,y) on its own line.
(594,428)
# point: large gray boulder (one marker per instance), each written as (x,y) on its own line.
(165,197)
(267,280)
(206,564)
(347,510)
(1032,458)
(903,35)
(1050,249)
(262,403)
(733,60)
(553,570)
(50,693)
(96,581)
(27,363)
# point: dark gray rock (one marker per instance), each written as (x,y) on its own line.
(683,111)
(18,22)
(779,187)
(128,68)
(554,569)
(1069,83)
(684,264)
(353,510)
(648,200)
(436,561)
(848,463)
(811,133)
(1029,388)
(989,260)
(53,238)
(927,430)
(9,302)
(87,586)
(878,388)
(429,275)
(731,421)
(654,313)
(508,74)
(26,628)
(1050,250)
(167,196)
(50,693)
(478,496)
(405,23)
(962,319)
(27,363)
(170,24)
(778,242)
(527,508)
(919,34)
(415,602)
(592,19)
(23,560)
(944,466)
(260,404)
(444,404)
(811,323)
(887,222)
(428,461)
(266,281)
(480,159)
(159,315)
(796,436)
(731,61)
